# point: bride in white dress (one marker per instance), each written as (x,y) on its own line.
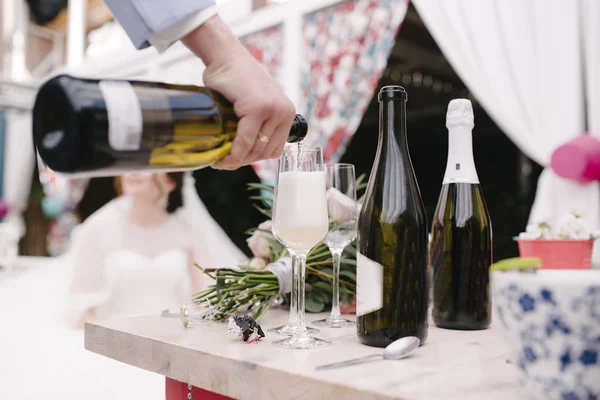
(132,257)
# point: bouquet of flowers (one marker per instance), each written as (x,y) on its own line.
(265,279)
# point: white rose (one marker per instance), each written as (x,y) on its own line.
(257,263)
(341,207)
(258,243)
(572,226)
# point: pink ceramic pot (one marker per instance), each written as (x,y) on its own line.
(557,253)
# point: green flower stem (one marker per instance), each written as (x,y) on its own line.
(324,262)
(329,277)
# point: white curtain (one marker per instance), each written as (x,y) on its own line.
(590,13)
(19,161)
(523,62)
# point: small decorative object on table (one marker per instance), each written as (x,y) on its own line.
(246,327)
(196,314)
(520,264)
(568,247)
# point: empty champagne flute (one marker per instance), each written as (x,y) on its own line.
(300,221)
(343,219)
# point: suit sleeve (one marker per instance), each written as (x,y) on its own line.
(143,19)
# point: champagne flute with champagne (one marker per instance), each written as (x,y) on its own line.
(300,221)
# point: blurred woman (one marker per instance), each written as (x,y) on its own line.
(133,256)
(136,256)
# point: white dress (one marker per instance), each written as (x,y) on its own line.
(115,267)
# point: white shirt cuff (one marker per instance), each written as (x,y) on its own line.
(165,38)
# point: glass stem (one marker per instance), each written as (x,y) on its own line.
(301,331)
(293,320)
(336,254)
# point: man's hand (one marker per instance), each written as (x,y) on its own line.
(265,112)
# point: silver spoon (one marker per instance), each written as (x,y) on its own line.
(395,351)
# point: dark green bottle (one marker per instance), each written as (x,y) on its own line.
(461,236)
(392,269)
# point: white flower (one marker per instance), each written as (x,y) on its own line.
(257,263)
(341,207)
(572,226)
(258,243)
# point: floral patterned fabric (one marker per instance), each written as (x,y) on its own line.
(346,50)
(267,47)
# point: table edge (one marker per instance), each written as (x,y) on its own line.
(116,343)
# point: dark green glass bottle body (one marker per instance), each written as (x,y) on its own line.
(461,255)
(392,269)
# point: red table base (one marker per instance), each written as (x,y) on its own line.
(176,390)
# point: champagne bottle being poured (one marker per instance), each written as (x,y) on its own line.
(90,127)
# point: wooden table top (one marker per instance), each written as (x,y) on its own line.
(451,364)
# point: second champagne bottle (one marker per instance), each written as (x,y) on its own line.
(392,275)
(461,237)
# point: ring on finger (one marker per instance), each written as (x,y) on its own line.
(263,138)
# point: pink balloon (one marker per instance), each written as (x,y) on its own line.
(578,159)
(3,208)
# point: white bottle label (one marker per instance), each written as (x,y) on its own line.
(369,285)
(460,167)
(124,115)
